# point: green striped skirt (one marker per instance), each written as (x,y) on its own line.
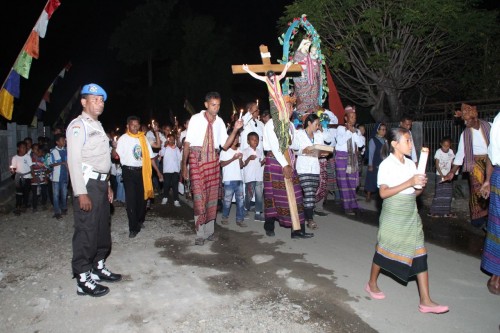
(400,249)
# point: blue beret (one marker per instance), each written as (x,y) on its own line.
(94,89)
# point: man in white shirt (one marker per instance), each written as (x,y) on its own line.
(349,139)
(206,134)
(137,159)
(472,155)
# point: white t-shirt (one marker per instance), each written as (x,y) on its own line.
(198,127)
(392,172)
(171,159)
(231,171)
(253,171)
(251,125)
(445,160)
(22,164)
(130,152)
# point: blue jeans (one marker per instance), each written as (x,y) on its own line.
(60,195)
(256,188)
(234,187)
(120,189)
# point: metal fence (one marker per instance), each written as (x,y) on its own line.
(429,134)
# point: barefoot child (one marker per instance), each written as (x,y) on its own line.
(400,249)
(441,204)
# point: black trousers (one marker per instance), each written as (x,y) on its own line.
(92,236)
(134,198)
(23,187)
(171,181)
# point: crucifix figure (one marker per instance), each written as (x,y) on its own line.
(281,107)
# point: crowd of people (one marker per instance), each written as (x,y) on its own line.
(215,164)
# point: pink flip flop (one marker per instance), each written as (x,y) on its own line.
(438,309)
(379,295)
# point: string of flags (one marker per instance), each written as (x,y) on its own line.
(42,106)
(22,65)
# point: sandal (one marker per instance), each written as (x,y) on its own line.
(312,225)
(450,215)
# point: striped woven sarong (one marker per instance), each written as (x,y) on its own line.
(347,182)
(323,180)
(491,255)
(205,184)
(441,204)
(477,204)
(309,183)
(400,249)
(275,198)
(331,184)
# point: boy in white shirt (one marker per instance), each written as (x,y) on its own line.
(441,204)
(253,171)
(171,168)
(232,163)
(21,167)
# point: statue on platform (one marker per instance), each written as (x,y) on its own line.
(307,86)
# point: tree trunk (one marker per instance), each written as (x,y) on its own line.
(396,108)
(377,110)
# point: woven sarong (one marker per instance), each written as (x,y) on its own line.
(275,198)
(400,249)
(205,184)
(441,204)
(323,180)
(491,255)
(309,183)
(477,204)
(347,182)
(331,184)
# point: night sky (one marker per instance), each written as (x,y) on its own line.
(79,32)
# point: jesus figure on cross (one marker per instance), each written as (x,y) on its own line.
(281,203)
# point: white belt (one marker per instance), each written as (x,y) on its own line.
(98,176)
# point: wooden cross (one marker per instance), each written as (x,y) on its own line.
(277,68)
(266,65)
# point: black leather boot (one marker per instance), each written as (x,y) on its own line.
(301,233)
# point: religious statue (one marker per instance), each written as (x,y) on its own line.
(307,86)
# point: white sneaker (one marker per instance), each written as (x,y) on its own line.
(177,203)
(164,201)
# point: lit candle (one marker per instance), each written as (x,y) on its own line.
(257,102)
(234,111)
(422,163)
(241,113)
(115,138)
(117,129)
(175,119)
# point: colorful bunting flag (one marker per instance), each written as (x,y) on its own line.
(32,46)
(51,7)
(12,85)
(6,104)
(23,64)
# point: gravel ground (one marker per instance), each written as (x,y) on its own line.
(169,285)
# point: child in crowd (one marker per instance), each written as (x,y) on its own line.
(232,163)
(171,168)
(253,171)
(59,176)
(441,204)
(39,173)
(21,168)
(400,248)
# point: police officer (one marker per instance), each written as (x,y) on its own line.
(89,164)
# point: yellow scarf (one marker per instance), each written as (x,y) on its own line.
(146,165)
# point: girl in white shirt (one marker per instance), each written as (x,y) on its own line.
(307,164)
(400,248)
